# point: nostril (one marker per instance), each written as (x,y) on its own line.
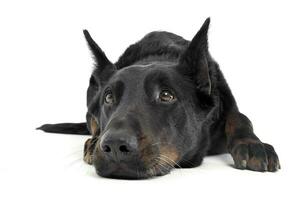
(124,149)
(106,148)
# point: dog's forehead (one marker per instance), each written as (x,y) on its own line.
(138,72)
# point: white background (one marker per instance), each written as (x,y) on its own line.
(44,70)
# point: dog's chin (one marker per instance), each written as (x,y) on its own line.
(121,172)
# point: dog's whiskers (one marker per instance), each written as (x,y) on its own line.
(159,162)
(171,160)
(162,167)
(167,163)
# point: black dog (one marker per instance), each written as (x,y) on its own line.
(164,104)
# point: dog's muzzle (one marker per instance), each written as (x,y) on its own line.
(120,156)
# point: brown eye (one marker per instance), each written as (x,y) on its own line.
(109,98)
(166,96)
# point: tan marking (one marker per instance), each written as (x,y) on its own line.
(255,164)
(94,126)
(236,120)
(170,153)
(147,150)
(88,158)
(247,141)
(88,151)
(231,124)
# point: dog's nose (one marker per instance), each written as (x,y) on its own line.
(119,146)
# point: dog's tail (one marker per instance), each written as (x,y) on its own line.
(66,128)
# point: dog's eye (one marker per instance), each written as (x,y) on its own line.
(166,96)
(109,98)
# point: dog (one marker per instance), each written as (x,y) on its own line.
(164,104)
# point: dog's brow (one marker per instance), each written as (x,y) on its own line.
(144,65)
(155,76)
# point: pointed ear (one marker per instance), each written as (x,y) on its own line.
(104,68)
(194,61)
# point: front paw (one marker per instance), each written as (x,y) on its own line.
(88,150)
(254,155)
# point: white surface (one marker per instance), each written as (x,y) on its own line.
(44,70)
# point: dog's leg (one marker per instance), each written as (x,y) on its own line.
(247,150)
(90,143)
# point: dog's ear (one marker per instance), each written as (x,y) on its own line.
(194,61)
(104,68)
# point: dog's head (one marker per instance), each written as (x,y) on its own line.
(148,117)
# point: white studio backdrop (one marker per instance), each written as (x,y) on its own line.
(44,71)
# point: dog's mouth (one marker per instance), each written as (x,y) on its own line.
(160,166)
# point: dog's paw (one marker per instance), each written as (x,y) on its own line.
(255,156)
(88,150)
(88,158)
